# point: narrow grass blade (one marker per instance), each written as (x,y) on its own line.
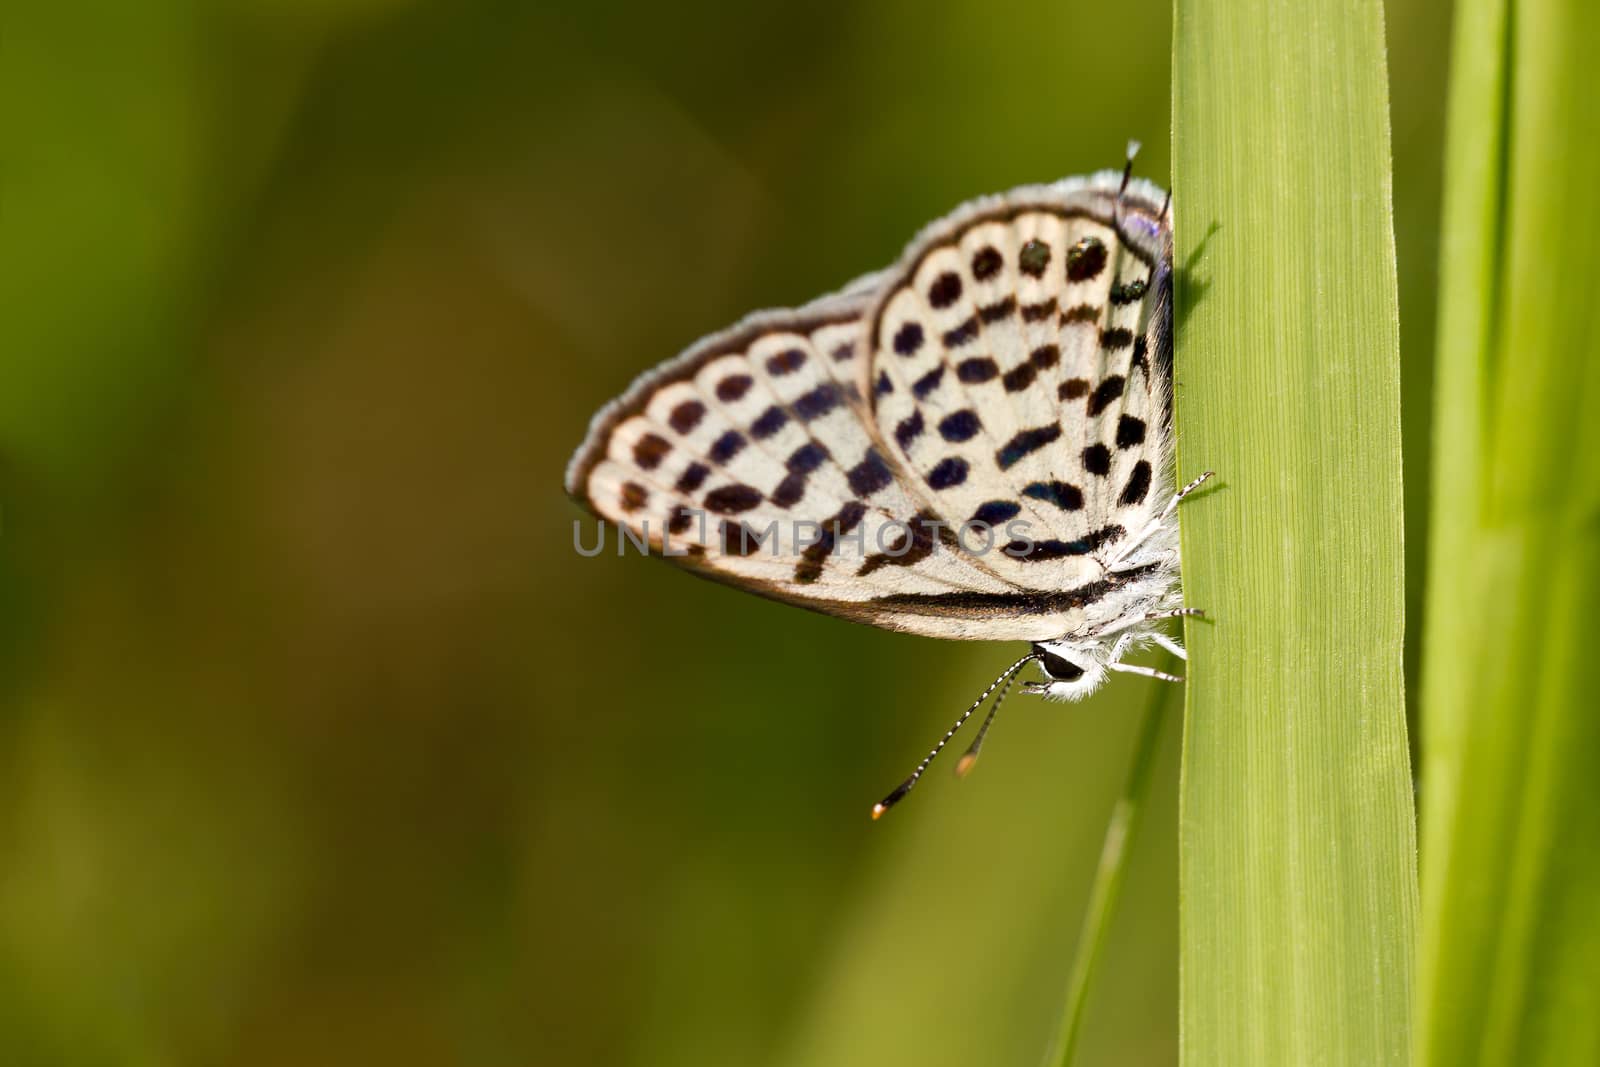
(1297,835)
(1509,968)
(1121,830)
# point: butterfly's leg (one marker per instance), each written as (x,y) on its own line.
(1122,562)
(1114,660)
(1149,616)
(1119,647)
(1148,672)
(1170,645)
(1155,524)
(1138,555)
(1177,498)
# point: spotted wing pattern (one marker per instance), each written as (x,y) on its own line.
(751,458)
(922,451)
(1026,345)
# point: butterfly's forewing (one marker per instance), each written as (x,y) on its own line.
(820,457)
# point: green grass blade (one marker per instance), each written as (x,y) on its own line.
(1121,829)
(1509,967)
(1297,838)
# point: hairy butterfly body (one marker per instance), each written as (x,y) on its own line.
(975,443)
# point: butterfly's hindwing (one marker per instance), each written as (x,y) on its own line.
(751,460)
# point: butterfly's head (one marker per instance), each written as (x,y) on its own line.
(1072,669)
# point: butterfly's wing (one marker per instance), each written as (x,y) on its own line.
(752,459)
(783,455)
(1026,343)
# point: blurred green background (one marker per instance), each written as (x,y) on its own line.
(319,743)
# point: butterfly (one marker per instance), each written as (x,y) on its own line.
(970,444)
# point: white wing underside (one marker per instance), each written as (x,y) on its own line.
(1008,375)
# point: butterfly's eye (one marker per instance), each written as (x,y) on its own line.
(1062,670)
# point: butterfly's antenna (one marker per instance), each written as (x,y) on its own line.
(1127,176)
(970,757)
(1166,202)
(905,787)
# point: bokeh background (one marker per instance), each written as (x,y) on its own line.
(319,744)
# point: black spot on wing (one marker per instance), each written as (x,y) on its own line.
(961,334)
(908,339)
(846,519)
(1062,495)
(1086,259)
(732,499)
(1097,460)
(1034,259)
(634,496)
(1141,359)
(686,416)
(681,518)
(1043,551)
(1104,536)
(733,387)
(913,544)
(1105,393)
(1025,443)
(817,402)
(650,450)
(986,263)
(1000,309)
(960,426)
(927,383)
(1124,293)
(1019,377)
(692,478)
(786,362)
(771,421)
(801,462)
(976,370)
(1113,339)
(945,290)
(1080,313)
(909,430)
(807,458)
(724,448)
(994,512)
(870,475)
(950,472)
(738,539)
(1040,311)
(790,491)
(1073,389)
(1138,486)
(1130,432)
